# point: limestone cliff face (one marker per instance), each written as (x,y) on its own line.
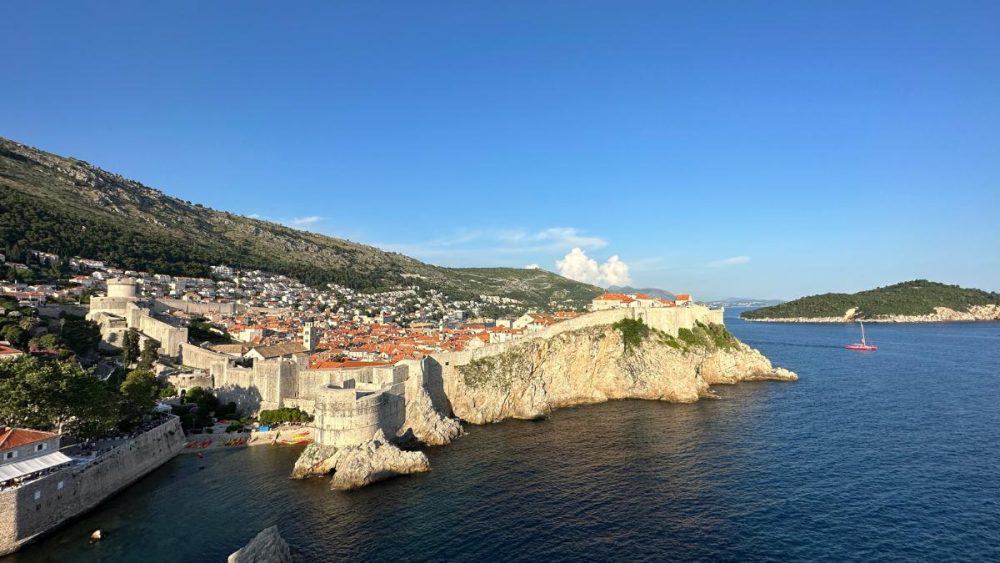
(593,365)
(424,423)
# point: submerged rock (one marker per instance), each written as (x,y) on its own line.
(266,547)
(376,460)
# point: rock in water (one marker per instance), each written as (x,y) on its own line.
(376,460)
(316,460)
(267,547)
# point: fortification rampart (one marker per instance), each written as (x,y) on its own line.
(38,507)
(113,305)
(667,319)
(164,304)
(169,336)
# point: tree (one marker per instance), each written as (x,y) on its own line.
(284,414)
(150,353)
(204,398)
(51,342)
(82,336)
(28,324)
(168,391)
(139,392)
(52,395)
(13,334)
(130,346)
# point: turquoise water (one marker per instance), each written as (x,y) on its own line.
(893,455)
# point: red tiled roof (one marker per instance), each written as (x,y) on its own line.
(614,297)
(11,438)
(346,364)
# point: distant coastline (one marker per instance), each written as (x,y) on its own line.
(917,301)
(985,313)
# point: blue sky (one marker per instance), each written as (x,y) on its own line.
(765,149)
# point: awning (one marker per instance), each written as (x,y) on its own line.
(9,471)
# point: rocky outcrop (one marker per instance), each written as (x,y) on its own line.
(594,365)
(354,467)
(423,421)
(940,315)
(740,364)
(266,547)
(377,460)
(316,459)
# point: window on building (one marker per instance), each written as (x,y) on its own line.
(38,495)
(10,455)
(59,486)
(40,447)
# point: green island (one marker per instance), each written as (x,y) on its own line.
(908,299)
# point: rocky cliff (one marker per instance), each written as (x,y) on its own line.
(599,364)
(529,379)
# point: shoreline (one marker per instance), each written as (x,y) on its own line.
(899,320)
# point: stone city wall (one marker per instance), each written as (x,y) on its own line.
(43,504)
(114,305)
(170,337)
(201,358)
(164,304)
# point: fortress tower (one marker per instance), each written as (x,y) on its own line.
(310,337)
(121,287)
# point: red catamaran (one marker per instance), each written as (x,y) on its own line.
(863,346)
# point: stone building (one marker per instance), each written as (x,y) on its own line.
(121,310)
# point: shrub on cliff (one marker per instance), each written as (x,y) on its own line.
(710,336)
(633,332)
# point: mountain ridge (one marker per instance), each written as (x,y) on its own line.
(69,207)
(655,292)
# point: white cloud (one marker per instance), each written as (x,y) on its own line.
(552,238)
(732,261)
(304,221)
(532,267)
(295,222)
(615,272)
(470,245)
(576,265)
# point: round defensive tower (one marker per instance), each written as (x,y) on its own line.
(343,418)
(121,287)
